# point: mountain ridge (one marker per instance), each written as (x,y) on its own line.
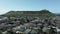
(42,13)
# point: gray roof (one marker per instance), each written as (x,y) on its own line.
(20,28)
(34,32)
(27,31)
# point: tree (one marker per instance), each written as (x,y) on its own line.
(0,32)
(52,31)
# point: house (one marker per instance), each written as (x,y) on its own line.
(30,31)
(19,32)
(20,28)
(28,25)
(27,31)
(58,31)
(34,32)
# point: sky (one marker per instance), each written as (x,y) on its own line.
(33,5)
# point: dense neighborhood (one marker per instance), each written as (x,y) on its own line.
(29,25)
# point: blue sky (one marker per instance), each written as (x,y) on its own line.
(51,5)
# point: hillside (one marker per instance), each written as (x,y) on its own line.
(42,13)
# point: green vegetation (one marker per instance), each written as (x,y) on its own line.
(42,13)
(7,33)
(0,32)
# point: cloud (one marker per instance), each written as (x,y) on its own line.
(3,11)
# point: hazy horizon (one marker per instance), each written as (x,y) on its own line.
(29,5)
